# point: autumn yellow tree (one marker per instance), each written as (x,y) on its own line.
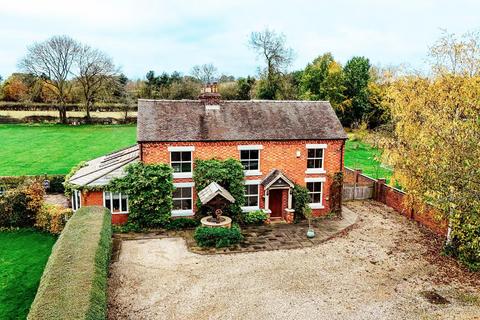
(435,148)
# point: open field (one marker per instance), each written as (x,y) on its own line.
(55,149)
(385,268)
(361,155)
(23,255)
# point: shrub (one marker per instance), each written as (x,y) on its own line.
(74,282)
(218,237)
(301,199)
(149,188)
(182,223)
(127,227)
(56,182)
(227,173)
(465,243)
(255,217)
(52,218)
(19,206)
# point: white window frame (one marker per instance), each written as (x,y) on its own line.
(322,146)
(249,147)
(253,208)
(76,200)
(182,149)
(184,213)
(316,205)
(111,202)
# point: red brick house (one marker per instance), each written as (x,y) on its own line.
(280,143)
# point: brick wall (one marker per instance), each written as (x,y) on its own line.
(280,155)
(95,198)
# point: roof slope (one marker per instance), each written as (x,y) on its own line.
(212,190)
(99,171)
(192,120)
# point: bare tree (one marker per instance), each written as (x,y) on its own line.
(459,55)
(205,73)
(95,70)
(52,62)
(272,47)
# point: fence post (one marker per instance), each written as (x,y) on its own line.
(356,173)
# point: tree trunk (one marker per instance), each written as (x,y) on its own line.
(62,112)
(87,109)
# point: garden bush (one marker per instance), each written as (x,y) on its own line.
(74,283)
(182,223)
(52,218)
(56,182)
(465,243)
(255,217)
(218,237)
(301,199)
(149,188)
(227,173)
(19,206)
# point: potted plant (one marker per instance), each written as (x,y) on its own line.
(307,212)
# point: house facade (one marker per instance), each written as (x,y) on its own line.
(279,143)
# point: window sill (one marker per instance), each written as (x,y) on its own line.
(182,213)
(177,175)
(315,171)
(249,173)
(316,206)
(249,209)
(118,212)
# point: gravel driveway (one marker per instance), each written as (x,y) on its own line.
(379,270)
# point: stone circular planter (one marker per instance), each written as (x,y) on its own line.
(225,223)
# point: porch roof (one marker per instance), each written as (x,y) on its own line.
(276,175)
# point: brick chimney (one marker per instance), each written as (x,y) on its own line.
(210,94)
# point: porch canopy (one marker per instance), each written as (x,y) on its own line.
(276,179)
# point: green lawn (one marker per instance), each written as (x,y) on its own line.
(23,255)
(55,149)
(360,155)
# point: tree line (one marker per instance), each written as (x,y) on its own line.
(61,70)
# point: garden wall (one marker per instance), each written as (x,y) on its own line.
(392,197)
(74,283)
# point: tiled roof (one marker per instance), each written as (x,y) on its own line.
(212,190)
(276,175)
(195,120)
(99,171)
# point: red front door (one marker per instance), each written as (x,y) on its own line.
(275,203)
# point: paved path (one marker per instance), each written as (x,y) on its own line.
(262,238)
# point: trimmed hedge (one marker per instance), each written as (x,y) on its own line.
(218,237)
(74,283)
(56,182)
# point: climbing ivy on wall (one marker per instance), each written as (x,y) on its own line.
(149,188)
(227,173)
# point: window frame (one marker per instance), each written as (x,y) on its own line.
(182,149)
(76,200)
(251,147)
(321,180)
(254,183)
(183,212)
(121,211)
(323,147)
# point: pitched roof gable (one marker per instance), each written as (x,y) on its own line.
(193,120)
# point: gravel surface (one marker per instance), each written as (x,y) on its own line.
(385,268)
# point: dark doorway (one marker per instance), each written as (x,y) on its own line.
(275,203)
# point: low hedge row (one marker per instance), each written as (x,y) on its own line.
(74,283)
(56,182)
(218,237)
(102,107)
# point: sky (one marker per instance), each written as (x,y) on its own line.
(143,35)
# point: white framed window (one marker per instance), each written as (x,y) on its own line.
(76,200)
(181,161)
(315,192)
(252,195)
(182,199)
(315,158)
(250,159)
(115,201)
